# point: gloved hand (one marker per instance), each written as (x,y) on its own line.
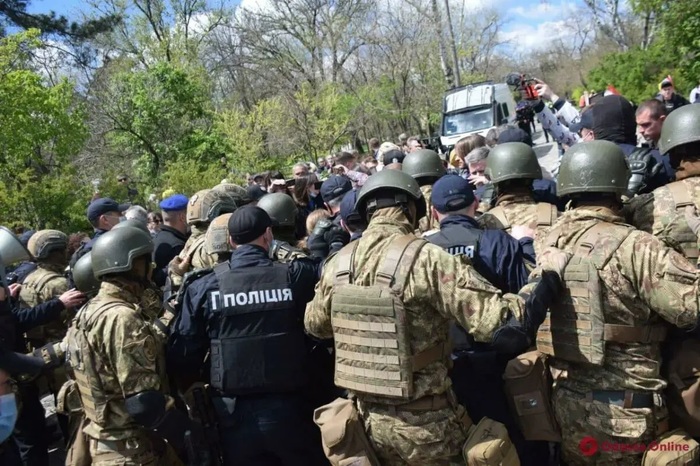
(643,167)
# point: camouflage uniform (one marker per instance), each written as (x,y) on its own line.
(115,353)
(45,283)
(643,281)
(439,288)
(427,223)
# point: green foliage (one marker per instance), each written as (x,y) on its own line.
(40,127)
(187,176)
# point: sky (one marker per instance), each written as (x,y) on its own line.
(530,24)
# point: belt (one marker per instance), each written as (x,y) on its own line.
(128,445)
(623,398)
(426,403)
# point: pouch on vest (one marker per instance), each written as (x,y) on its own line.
(68,399)
(674,448)
(488,444)
(372,344)
(528,387)
(79,452)
(683,391)
(343,436)
(575,329)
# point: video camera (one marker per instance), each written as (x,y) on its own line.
(524,84)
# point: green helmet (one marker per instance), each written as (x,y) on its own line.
(593,167)
(216,237)
(422,164)
(512,160)
(280,207)
(132,223)
(44,242)
(207,204)
(388,188)
(239,193)
(116,250)
(84,277)
(681,126)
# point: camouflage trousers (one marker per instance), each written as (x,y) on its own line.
(425,438)
(595,433)
(132,452)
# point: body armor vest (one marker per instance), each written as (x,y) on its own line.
(546,215)
(459,241)
(680,232)
(86,362)
(32,294)
(260,345)
(575,329)
(372,343)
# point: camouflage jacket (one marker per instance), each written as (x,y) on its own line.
(643,283)
(427,223)
(659,214)
(45,283)
(439,289)
(128,358)
(194,249)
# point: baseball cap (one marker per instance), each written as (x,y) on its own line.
(174,203)
(585,121)
(347,208)
(248,223)
(393,156)
(515,135)
(334,187)
(255,192)
(104,205)
(450,193)
(26,236)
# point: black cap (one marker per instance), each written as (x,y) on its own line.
(450,193)
(393,156)
(585,121)
(348,212)
(515,135)
(255,192)
(334,187)
(104,205)
(248,223)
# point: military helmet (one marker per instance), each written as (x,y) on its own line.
(682,126)
(116,250)
(84,277)
(423,163)
(280,207)
(388,188)
(239,193)
(132,223)
(207,204)
(216,237)
(44,242)
(512,160)
(593,167)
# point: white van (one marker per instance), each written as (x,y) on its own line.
(475,108)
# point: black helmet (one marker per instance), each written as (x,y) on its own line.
(388,188)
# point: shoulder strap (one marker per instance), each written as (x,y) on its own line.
(99,311)
(679,193)
(345,268)
(546,214)
(399,260)
(500,214)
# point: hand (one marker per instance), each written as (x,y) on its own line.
(72,298)
(179,266)
(522,231)
(553,260)
(692,218)
(14,289)
(478,180)
(545,92)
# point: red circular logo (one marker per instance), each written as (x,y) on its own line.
(588,446)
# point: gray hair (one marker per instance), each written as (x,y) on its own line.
(477,155)
(301,164)
(136,212)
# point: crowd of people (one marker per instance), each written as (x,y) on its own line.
(402,307)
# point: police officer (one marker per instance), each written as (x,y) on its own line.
(328,235)
(118,364)
(512,167)
(172,236)
(501,259)
(628,287)
(662,213)
(103,214)
(248,316)
(412,290)
(283,211)
(426,167)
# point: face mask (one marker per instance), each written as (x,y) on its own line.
(8,415)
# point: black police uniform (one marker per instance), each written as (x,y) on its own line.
(167,244)
(19,274)
(500,259)
(249,315)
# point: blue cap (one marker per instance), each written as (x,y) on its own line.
(585,121)
(450,193)
(515,135)
(174,203)
(104,205)
(347,207)
(334,187)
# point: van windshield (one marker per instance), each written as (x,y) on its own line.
(469,121)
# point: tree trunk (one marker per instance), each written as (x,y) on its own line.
(437,25)
(453,44)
